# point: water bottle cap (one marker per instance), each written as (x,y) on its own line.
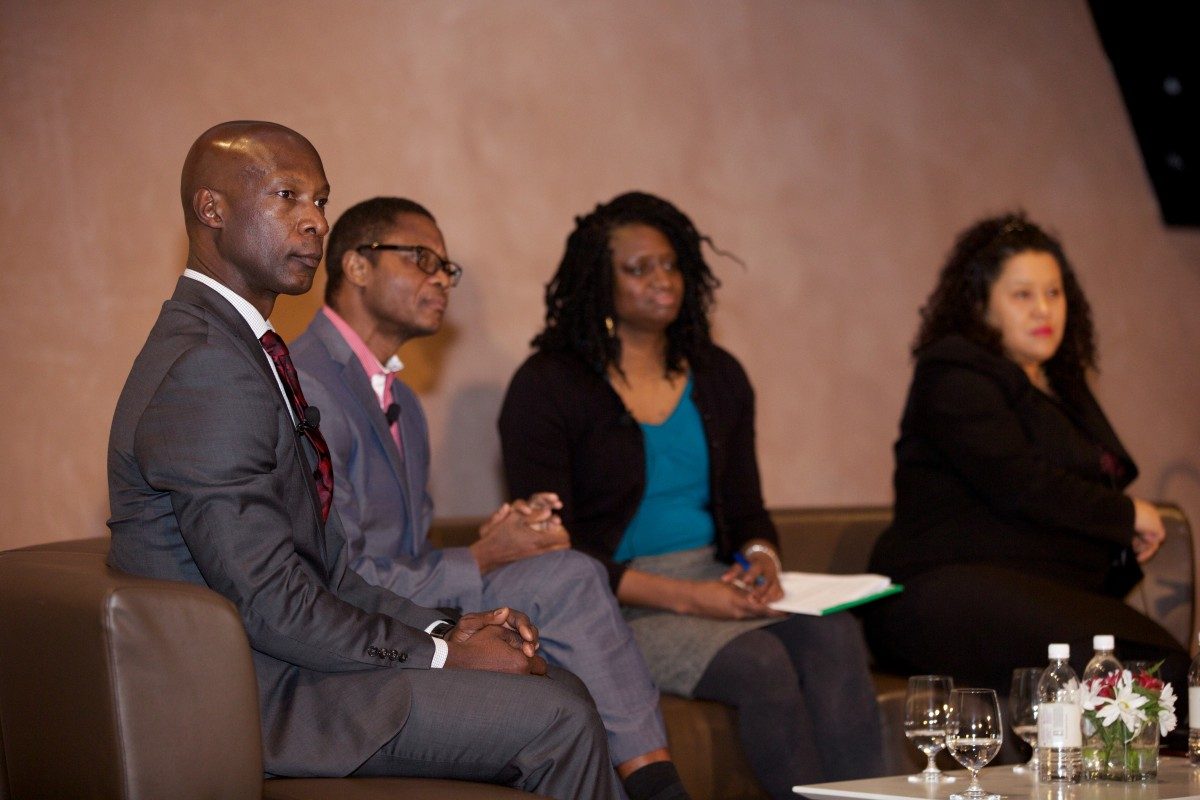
(1103,641)
(1060,651)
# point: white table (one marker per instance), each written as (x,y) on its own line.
(1177,780)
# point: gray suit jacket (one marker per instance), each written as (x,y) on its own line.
(382,496)
(208,484)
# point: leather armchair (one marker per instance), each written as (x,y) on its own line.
(114,686)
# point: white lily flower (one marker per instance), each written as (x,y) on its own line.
(1166,697)
(1166,712)
(1126,706)
(1090,695)
(1166,721)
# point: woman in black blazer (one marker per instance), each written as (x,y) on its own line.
(1012,529)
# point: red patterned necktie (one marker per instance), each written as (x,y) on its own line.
(323,474)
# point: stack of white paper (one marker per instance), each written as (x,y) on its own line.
(817,594)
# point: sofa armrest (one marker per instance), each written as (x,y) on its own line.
(122,687)
(1168,593)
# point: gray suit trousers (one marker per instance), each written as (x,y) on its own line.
(581,629)
(538,734)
(566,594)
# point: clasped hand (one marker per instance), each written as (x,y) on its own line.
(521,529)
(503,640)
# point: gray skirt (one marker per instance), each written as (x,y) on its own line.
(679,647)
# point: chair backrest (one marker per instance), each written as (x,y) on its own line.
(113,686)
(834,539)
(838,539)
(455,531)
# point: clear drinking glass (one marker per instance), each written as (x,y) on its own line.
(925,709)
(1022,712)
(974,733)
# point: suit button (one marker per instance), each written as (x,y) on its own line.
(403,657)
(372,650)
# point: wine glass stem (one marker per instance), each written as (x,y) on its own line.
(931,768)
(974,789)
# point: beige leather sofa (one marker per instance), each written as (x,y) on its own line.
(126,688)
(113,686)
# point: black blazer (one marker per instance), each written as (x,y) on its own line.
(991,470)
(564,429)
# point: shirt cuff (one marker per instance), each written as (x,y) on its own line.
(440,648)
(440,651)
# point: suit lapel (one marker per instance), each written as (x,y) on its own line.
(1090,418)
(360,387)
(197,294)
(414,489)
(354,378)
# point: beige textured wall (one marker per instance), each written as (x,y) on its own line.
(835,146)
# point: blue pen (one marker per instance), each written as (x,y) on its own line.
(744,563)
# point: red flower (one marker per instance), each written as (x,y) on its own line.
(1147,681)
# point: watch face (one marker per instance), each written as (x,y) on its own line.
(441,629)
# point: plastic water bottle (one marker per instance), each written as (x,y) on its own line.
(1060,738)
(1103,662)
(1194,712)
(1102,665)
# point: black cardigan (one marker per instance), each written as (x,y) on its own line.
(564,429)
(990,470)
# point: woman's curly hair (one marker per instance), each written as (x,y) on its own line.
(579,298)
(959,302)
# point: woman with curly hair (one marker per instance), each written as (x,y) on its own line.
(1012,529)
(645,430)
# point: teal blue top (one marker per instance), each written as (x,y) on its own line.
(674,513)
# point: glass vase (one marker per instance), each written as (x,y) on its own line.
(1114,753)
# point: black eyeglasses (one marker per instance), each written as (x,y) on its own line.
(425,259)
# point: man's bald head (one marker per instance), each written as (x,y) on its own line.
(228,152)
(254,197)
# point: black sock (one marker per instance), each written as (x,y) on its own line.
(658,780)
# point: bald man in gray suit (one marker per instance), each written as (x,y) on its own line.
(218,475)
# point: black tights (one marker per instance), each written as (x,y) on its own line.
(805,702)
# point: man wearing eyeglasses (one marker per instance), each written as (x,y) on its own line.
(389,281)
